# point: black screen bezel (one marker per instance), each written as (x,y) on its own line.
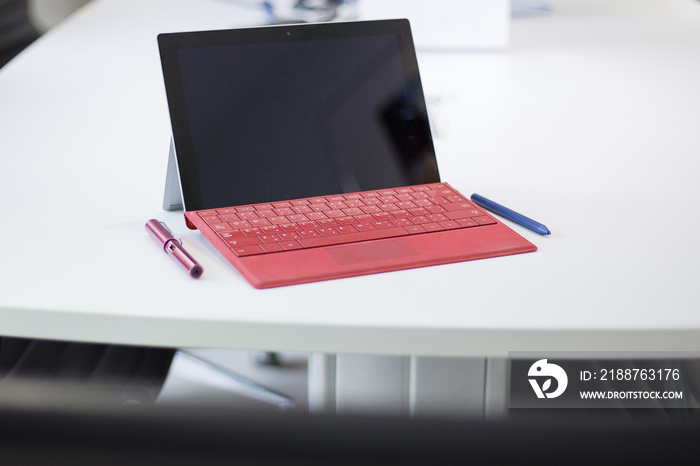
(170,43)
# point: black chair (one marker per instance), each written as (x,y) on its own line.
(120,374)
(16,32)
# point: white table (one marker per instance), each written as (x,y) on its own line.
(588,124)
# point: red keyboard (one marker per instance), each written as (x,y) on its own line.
(344,218)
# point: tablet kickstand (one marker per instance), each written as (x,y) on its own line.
(172,198)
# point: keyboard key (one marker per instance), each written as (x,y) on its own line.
(345,229)
(406,205)
(230,234)
(419,211)
(211,220)
(284,211)
(383,224)
(319,207)
(308,234)
(271,247)
(484,220)
(371,209)
(401,222)
(206,213)
(452,206)
(247,215)
(269,239)
(242,251)
(297,218)
(451,225)
(467,222)
(352,237)
(259,222)
(242,241)
(464,213)
(308,225)
(382,216)
(437,193)
(352,211)
(354,203)
(419,219)
(327,222)
(317,216)
(424,202)
(364,226)
(415,229)
(440,217)
(290,236)
(433,209)
(329,231)
(290,245)
(345,220)
(251,231)
(221,227)
(432,227)
(278,220)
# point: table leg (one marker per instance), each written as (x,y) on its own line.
(417,386)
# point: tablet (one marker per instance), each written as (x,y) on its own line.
(285,112)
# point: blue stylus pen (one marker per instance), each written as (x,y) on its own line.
(511,215)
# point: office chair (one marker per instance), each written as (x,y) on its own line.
(16,32)
(121,374)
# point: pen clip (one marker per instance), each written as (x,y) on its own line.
(172,245)
(173,236)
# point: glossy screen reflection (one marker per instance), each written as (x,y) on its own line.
(282,120)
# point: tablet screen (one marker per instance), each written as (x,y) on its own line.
(285,112)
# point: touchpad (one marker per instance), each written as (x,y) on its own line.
(372,251)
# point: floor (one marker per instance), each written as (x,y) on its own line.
(234,378)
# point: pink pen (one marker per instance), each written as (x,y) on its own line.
(172,244)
